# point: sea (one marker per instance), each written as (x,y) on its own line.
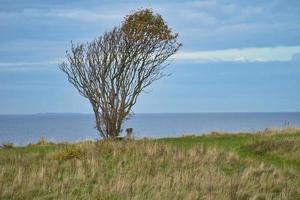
(25,129)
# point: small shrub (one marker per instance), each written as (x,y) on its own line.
(217,133)
(71,152)
(7,145)
(187,135)
(43,142)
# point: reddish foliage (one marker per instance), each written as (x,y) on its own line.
(143,24)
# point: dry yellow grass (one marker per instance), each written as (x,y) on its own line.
(138,170)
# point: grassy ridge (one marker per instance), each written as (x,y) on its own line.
(218,166)
(279,148)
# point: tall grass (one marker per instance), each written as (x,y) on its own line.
(138,170)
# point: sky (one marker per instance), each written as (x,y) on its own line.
(237,55)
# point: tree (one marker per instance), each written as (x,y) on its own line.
(115,68)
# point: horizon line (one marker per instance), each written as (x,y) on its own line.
(213,112)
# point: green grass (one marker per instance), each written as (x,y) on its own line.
(244,144)
(216,166)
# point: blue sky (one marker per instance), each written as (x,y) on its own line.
(238,56)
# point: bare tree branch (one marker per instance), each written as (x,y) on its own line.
(115,68)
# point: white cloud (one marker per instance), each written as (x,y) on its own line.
(259,54)
(200,17)
(229,8)
(30,66)
(83,15)
(204,3)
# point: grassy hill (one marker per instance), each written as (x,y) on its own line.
(216,166)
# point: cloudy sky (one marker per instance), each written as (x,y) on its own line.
(238,56)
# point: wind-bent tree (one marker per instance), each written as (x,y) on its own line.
(115,68)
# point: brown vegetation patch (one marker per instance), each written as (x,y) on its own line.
(272,146)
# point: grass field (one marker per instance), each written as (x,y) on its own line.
(216,166)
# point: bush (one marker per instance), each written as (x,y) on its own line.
(71,152)
(7,145)
(43,142)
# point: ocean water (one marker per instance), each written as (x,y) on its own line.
(23,129)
